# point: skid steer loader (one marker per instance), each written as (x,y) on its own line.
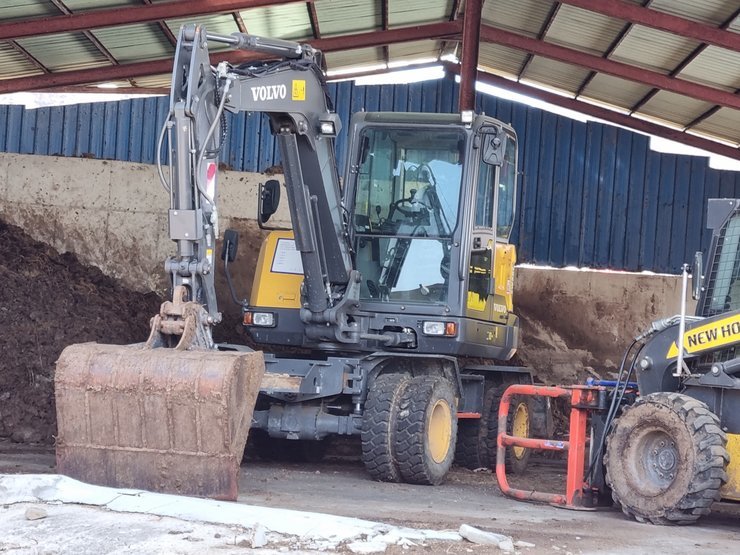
(675,449)
(398,282)
(665,435)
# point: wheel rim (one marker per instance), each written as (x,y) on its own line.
(520,427)
(440,430)
(660,460)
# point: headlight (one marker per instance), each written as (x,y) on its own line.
(262,319)
(448,329)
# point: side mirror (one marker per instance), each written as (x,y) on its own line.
(697,277)
(269,200)
(494,146)
(231,245)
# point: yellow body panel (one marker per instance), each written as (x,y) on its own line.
(709,336)
(273,288)
(503,271)
(498,308)
(731,490)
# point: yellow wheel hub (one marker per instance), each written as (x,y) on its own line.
(440,430)
(520,427)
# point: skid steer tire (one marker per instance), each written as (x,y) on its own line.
(665,459)
(426,430)
(379,426)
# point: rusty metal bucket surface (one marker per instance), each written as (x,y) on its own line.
(155,419)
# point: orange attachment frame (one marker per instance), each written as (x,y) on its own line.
(582,399)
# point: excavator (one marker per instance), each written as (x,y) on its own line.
(393,288)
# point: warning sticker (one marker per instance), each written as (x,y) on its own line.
(299,89)
(709,336)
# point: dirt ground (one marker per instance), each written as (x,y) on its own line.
(340,486)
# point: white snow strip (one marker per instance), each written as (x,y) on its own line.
(54,488)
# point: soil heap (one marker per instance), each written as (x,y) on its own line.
(48,301)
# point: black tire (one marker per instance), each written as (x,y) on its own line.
(474,449)
(426,430)
(379,426)
(665,459)
(517,458)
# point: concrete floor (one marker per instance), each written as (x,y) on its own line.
(342,488)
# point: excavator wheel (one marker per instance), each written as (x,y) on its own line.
(476,439)
(379,426)
(518,424)
(473,449)
(426,430)
(665,459)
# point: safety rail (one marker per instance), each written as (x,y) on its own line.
(583,400)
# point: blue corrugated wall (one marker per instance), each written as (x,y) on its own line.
(590,194)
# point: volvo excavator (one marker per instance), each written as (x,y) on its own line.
(397,280)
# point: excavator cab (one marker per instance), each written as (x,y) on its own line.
(429,201)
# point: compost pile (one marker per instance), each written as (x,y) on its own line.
(48,301)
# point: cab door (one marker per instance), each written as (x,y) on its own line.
(492,259)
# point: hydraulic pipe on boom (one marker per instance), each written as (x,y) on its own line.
(291,92)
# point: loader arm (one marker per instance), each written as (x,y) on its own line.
(291,92)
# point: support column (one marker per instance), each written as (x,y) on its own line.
(469,60)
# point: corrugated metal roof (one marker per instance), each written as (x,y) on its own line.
(525,15)
(289,21)
(589,31)
(64,51)
(25,9)
(135,42)
(501,60)
(14,62)
(615,91)
(715,66)
(669,106)
(724,123)
(418,51)
(361,58)
(560,76)
(402,13)
(554,23)
(653,49)
(712,12)
(340,17)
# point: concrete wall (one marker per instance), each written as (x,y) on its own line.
(114,215)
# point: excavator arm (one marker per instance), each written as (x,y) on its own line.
(291,92)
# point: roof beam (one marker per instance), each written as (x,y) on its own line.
(384,26)
(605,114)
(313,18)
(660,20)
(109,17)
(610,67)
(443,30)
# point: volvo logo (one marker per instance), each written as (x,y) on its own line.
(269,92)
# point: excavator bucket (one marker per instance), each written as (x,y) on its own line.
(157,419)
